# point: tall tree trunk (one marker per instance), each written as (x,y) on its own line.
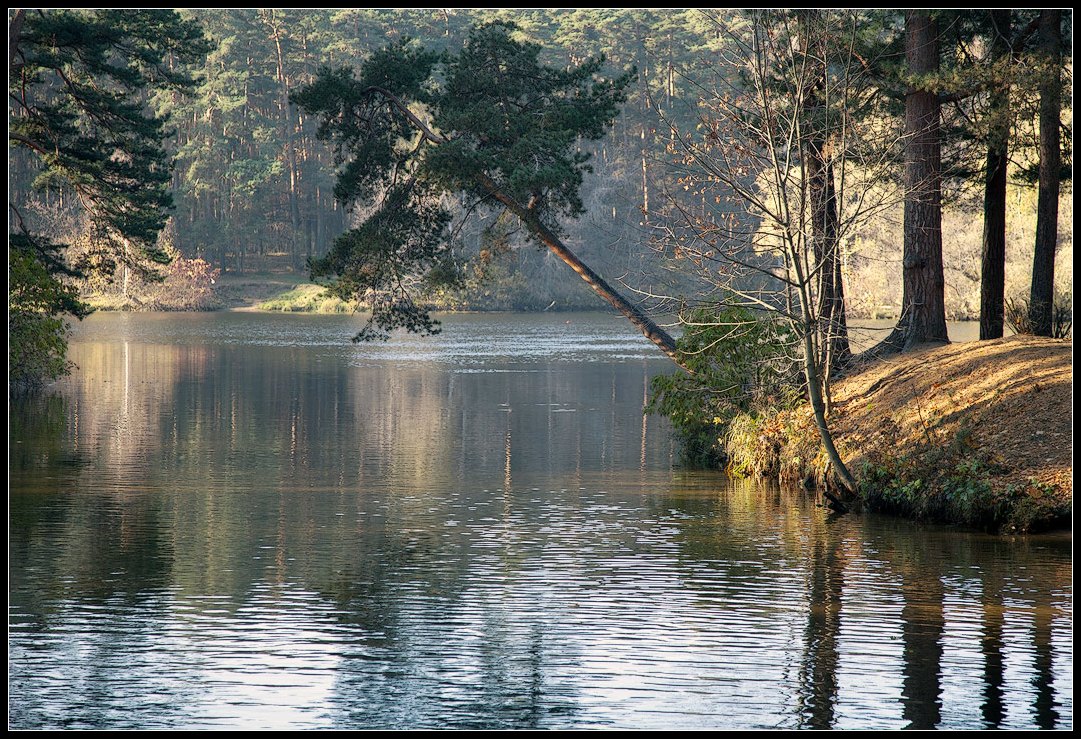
(320,223)
(645,182)
(287,129)
(923,304)
(1041,298)
(993,254)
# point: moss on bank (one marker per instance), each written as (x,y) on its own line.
(976,434)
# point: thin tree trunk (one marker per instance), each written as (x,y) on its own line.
(993,256)
(641,321)
(15,28)
(645,182)
(833,325)
(320,223)
(287,129)
(833,279)
(1041,298)
(818,406)
(822,196)
(815,380)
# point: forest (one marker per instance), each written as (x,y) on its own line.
(252,185)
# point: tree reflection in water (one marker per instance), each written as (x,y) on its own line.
(313,537)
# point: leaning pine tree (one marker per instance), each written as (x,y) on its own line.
(490,124)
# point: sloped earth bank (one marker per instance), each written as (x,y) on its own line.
(977,433)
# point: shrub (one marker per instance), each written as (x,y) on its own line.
(736,367)
(1018,317)
(189,284)
(38,300)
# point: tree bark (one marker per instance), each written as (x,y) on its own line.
(993,253)
(1041,297)
(924,284)
(833,324)
(822,194)
(923,305)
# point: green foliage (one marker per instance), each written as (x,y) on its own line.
(79,79)
(414,127)
(255,189)
(37,300)
(508,117)
(959,493)
(377,261)
(738,365)
(1036,505)
(777,443)
(951,483)
(78,120)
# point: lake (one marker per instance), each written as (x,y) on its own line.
(240,520)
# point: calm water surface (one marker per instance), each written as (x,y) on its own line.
(245,521)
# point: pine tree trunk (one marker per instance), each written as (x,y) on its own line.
(923,305)
(287,130)
(993,255)
(1041,298)
(640,320)
(320,223)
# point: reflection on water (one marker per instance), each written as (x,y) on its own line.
(246,521)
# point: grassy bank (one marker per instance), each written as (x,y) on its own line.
(306,298)
(977,434)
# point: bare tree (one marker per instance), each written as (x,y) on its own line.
(796,172)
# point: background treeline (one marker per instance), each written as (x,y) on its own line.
(253,187)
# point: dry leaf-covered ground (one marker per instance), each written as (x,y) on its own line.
(1013,395)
